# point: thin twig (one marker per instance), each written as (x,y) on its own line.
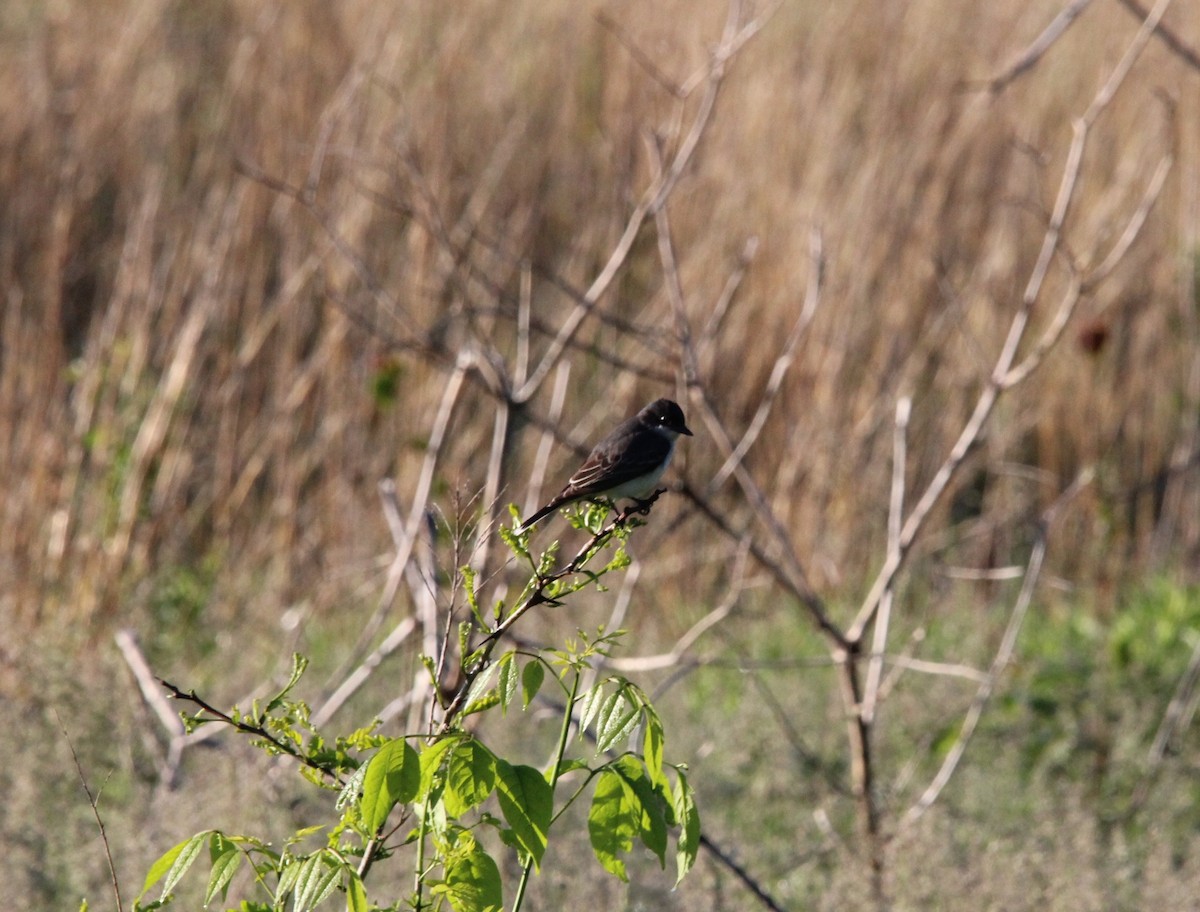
(689,361)
(148,683)
(782,362)
(895,513)
(1182,704)
(94,803)
(998,381)
(1029,58)
(1164,34)
(1004,652)
(258,731)
(405,536)
(725,300)
(1134,226)
(684,644)
(399,635)
(654,196)
(750,883)
(644,60)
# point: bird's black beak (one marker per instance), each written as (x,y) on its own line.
(684,430)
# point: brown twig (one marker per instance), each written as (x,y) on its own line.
(895,513)
(190,696)
(1002,377)
(1164,34)
(94,803)
(1029,58)
(1004,652)
(1180,708)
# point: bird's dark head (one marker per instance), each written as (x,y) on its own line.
(663,413)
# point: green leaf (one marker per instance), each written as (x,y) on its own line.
(161,866)
(570,765)
(299,663)
(617,717)
(652,747)
(481,696)
(182,857)
(289,872)
(304,832)
(470,777)
(653,806)
(472,593)
(589,705)
(527,803)
(226,859)
(507,686)
(319,875)
(613,821)
(689,822)
(431,761)
(473,883)
(532,676)
(483,704)
(356,894)
(352,789)
(393,776)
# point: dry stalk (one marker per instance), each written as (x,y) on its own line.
(1177,45)
(1003,655)
(782,363)
(94,803)
(1176,717)
(895,512)
(1002,377)
(652,199)
(1030,57)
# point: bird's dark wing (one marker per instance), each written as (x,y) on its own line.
(614,462)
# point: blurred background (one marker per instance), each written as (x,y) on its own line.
(250,253)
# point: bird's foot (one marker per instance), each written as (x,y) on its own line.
(641,506)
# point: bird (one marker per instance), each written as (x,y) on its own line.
(627,463)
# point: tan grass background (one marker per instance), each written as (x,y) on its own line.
(194,373)
(180,377)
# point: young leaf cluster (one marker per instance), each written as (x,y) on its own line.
(442,802)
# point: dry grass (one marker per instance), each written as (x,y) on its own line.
(181,378)
(191,361)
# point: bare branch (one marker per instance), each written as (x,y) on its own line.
(1133,227)
(1003,655)
(644,60)
(148,683)
(684,644)
(1136,46)
(728,293)
(895,512)
(652,199)
(1029,58)
(94,803)
(399,635)
(1181,707)
(998,381)
(404,536)
(944,669)
(1168,37)
(782,363)
(541,458)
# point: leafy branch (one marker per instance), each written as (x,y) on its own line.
(431,797)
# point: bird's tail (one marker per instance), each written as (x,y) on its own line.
(538,516)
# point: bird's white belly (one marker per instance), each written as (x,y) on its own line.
(640,488)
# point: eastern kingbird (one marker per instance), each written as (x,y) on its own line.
(627,463)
